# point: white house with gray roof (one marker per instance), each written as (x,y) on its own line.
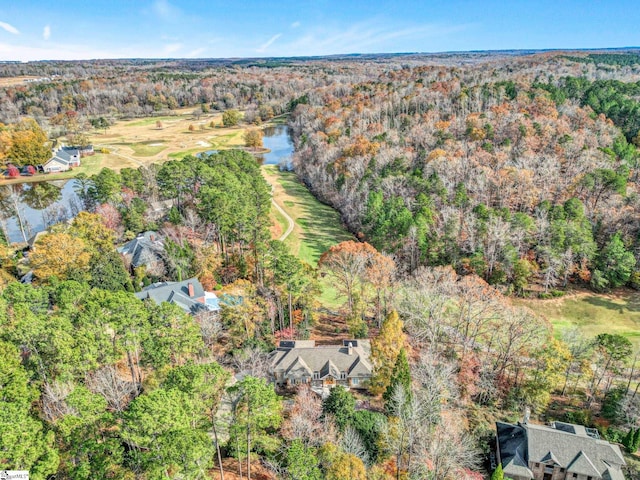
(557,452)
(297,362)
(63,159)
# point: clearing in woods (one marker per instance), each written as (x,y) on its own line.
(615,312)
(317,226)
(142,141)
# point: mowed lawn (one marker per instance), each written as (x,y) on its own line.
(617,312)
(90,166)
(140,142)
(317,226)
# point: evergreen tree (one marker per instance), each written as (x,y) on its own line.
(628,441)
(341,404)
(636,440)
(302,464)
(400,378)
(616,262)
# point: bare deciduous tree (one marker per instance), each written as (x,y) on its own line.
(252,361)
(54,405)
(304,420)
(117,391)
(351,442)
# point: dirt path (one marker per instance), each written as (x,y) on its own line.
(284,236)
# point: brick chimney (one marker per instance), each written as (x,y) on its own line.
(191,290)
(152,238)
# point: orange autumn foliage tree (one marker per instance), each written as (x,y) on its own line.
(27,144)
(59,254)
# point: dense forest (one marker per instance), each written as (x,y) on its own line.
(468,180)
(516,182)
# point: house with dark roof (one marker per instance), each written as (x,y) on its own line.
(144,250)
(86,150)
(188,295)
(556,452)
(297,362)
(63,159)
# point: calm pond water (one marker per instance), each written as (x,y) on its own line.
(43,204)
(40,205)
(276,138)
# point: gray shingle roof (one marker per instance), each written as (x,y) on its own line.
(325,360)
(583,466)
(144,249)
(176,293)
(65,156)
(550,458)
(569,446)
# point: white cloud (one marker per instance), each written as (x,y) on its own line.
(295,24)
(172,47)
(46,32)
(197,53)
(262,48)
(371,36)
(9,28)
(166,11)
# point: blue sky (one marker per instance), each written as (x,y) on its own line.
(74,29)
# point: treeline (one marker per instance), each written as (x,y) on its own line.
(617,100)
(618,59)
(113,90)
(496,178)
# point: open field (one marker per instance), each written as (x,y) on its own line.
(90,166)
(617,312)
(10,81)
(143,141)
(317,226)
(140,142)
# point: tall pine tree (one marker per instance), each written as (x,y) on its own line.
(400,378)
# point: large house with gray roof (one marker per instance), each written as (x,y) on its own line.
(188,295)
(557,452)
(145,250)
(63,159)
(297,362)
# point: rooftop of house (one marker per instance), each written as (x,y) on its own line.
(179,294)
(573,447)
(304,356)
(65,155)
(143,249)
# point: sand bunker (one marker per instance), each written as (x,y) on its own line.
(155,144)
(204,144)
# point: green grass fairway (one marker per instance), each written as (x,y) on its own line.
(618,312)
(317,226)
(148,149)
